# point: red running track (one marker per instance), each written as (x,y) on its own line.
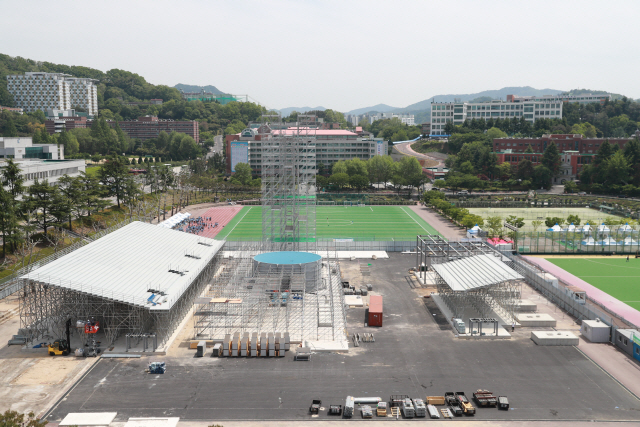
(222,215)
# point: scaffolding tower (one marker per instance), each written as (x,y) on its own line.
(289,186)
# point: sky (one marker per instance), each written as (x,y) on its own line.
(338,54)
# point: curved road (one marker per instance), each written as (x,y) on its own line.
(405,148)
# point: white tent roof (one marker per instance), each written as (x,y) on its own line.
(629,241)
(608,241)
(475,272)
(126,263)
(475,229)
(603,227)
(571,227)
(555,228)
(625,227)
(589,241)
(586,227)
(169,223)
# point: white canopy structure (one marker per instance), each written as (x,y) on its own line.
(625,228)
(607,241)
(475,272)
(586,228)
(174,220)
(556,228)
(628,241)
(475,229)
(602,228)
(478,282)
(139,276)
(571,227)
(588,241)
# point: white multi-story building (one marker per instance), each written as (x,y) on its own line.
(407,119)
(38,161)
(586,98)
(44,91)
(458,112)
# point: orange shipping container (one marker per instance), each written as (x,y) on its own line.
(375,310)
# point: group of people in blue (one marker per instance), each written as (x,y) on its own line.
(195,225)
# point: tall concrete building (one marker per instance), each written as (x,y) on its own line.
(45,91)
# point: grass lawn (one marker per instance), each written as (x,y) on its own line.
(383,223)
(615,276)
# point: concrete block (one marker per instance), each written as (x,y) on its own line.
(526,305)
(536,320)
(549,338)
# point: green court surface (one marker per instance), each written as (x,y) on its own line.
(360,223)
(615,276)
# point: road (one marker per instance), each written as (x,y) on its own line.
(405,148)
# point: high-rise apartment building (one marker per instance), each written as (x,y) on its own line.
(44,91)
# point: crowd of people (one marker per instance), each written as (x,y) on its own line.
(195,225)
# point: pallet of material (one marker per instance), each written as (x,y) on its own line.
(446,413)
(381,410)
(366,411)
(435,400)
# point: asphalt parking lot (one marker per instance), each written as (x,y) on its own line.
(415,353)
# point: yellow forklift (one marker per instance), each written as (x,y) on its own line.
(61,346)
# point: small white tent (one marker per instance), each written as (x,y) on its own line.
(556,228)
(586,228)
(588,241)
(571,227)
(603,228)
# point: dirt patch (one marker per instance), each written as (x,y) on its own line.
(49,371)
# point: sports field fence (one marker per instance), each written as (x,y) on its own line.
(562,296)
(333,245)
(547,242)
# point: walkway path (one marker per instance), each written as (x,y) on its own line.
(443,226)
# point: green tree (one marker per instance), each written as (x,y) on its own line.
(529,149)
(114,175)
(551,158)
(524,169)
(359,182)
(536,224)
(355,167)
(495,133)
(542,177)
(339,179)
(339,167)
(570,187)
(243,173)
(380,169)
(515,221)
(573,219)
(616,169)
(71,191)
(10,129)
(494,225)
(551,221)
(470,220)
(15,419)
(41,199)
(9,219)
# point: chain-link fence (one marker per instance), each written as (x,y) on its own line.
(560,293)
(341,245)
(597,243)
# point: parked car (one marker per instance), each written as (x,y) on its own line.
(463,193)
(582,193)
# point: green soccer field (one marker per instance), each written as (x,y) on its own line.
(615,276)
(381,223)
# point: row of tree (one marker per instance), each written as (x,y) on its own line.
(359,174)
(26,211)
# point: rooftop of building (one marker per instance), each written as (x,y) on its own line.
(317,132)
(131,263)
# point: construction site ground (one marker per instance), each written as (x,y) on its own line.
(414,353)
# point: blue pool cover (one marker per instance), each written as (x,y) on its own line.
(287,257)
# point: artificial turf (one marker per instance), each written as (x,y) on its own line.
(615,276)
(380,223)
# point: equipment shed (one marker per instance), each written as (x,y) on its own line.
(375,310)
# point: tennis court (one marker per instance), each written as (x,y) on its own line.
(615,276)
(360,223)
(591,216)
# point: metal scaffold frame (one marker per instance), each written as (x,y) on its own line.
(289,186)
(501,295)
(46,305)
(243,300)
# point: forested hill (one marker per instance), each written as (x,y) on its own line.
(192,88)
(128,86)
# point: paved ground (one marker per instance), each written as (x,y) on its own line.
(443,226)
(413,354)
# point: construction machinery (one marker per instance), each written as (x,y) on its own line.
(503,402)
(485,398)
(335,409)
(467,407)
(315,406)
(367,412)
(349,407)
(157,368)
(61,346)
(453,403)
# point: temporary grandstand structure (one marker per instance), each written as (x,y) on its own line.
(483,282)
(289,186)
(434,249)
(139,279)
